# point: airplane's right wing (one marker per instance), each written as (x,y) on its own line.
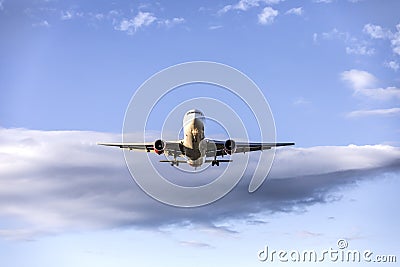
(131,146)
(159,146)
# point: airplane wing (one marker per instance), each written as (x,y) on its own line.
(131,146)
(168,146)
(246,147)
(242,147)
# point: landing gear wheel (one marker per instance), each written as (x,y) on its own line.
(215,162)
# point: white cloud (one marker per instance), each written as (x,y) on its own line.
(395,40)
(329,159)
(99,16)
(360,50)
(225,9)
(172,22)
(57,181)
(323,1)
(381,93)
(315,38)
(295,11)
(336,34)
(142,19)
(194,244)
(363,83)
(301,101)
(358,79)
(66,15)
(267,16)
(215,27)
(1,4)
(375,31)
(43,23)
(352,44)
(392,65)
(374,112)
(244,5)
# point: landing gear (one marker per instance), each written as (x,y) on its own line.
(175,163)
(214,162)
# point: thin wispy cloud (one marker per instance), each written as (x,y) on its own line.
(66,15)
(172,22)
(142,19)
(43,23)
(195,244)
(244,5)
(215,27)
(301,101)
(62,181)
(359,49)
(295,11)
(352,44)
(374,112)
(336,34)
(217,230)
(145,19)
(307,234)
(323,1)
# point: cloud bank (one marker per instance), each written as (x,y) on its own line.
(57,181)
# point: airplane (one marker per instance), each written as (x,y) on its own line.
(194,147)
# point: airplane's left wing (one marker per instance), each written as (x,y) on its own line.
(230,146)
(250,146)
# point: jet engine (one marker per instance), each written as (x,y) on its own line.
(159,146)
(203,147)
(207,148)
(230,146)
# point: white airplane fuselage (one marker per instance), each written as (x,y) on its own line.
(193,130)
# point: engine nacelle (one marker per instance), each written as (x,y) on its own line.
(207,148)
(203,147)
(230,146)
(159,146)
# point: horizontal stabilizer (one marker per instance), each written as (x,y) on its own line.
(174,161)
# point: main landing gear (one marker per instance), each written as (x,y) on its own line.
(215,162)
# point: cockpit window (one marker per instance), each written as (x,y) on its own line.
(196,112)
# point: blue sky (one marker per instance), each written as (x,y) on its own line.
(329,70)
